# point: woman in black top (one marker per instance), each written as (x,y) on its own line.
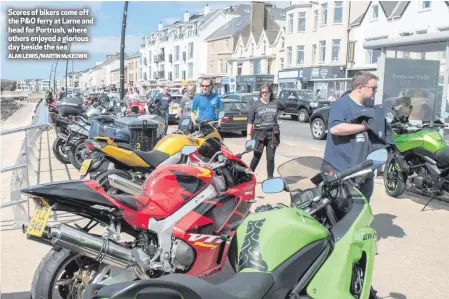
(264,128)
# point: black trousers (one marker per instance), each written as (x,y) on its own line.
(270,152)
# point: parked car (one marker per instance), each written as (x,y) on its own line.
(300,104)
(319,123)
(236,115)
(245,97)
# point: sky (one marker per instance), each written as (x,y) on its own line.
(143,18)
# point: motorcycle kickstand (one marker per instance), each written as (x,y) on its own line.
(431,198)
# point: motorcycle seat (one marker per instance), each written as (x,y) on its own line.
(153,158)
(252,285)
(123,145)
(129,201)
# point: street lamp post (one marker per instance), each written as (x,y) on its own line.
(122,53)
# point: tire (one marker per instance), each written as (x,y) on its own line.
(47,271)
(398,188)
(318,129)
(58,144)
(72,154)
(303,116)
(244,132)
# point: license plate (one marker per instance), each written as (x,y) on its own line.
(240,118)
(39,220)
(85,166)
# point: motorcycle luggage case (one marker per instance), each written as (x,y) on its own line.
(70,106)
(143,131)
(116,134)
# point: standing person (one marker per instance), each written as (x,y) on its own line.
(185,106)
(339,151)
(264,128)
(206,103)
(165,98)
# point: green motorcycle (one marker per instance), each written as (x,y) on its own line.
(420,155)
(322,247)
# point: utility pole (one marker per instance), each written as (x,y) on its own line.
(122,53)
(67,67)
(54,76)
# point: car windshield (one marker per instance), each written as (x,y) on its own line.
(235,106)
(305,173)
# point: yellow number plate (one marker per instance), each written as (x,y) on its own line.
(85,166)
(39,220)
(240,118)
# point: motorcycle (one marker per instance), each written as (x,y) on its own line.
(420,155)
(135,165)
(177,224)
(321,247)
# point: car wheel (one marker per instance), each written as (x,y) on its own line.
(303,116)
(318,129)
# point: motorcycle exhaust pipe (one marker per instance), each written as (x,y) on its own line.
(124,185)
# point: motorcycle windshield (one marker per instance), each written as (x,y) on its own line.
(401,107)
(305,173)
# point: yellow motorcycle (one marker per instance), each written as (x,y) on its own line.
(134,165)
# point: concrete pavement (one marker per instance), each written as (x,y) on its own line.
(412,244)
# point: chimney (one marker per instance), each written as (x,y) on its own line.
(160,26)
(257,16)
(206,9)
(186,16)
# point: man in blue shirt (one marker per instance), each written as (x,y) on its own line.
(342,134)
(207,103)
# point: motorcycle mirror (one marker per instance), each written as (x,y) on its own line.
(221,114)
(188,149)
(274,185)
(379,157)
(250,145)
(185,122)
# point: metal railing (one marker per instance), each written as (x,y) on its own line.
(20,171)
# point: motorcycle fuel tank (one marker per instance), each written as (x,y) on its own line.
(267,239)
(172,144)
(427,139)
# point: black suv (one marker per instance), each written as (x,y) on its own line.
(300,104)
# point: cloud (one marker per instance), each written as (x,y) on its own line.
(109,44)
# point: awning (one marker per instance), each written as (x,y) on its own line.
(407,40)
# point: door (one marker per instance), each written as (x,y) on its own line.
(292,101)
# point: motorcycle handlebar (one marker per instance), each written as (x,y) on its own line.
(366,164)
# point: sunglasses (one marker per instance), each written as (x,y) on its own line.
(205,85)
(374,88)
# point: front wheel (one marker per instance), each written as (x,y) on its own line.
(59,150)
(58,275)
(303,116)
(318,129)
(394,179)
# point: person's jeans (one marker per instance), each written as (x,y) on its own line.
(166,115)
(367,188)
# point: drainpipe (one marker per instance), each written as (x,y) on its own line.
(348,30)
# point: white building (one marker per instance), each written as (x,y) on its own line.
(316,45)
(175,54)
(44,84)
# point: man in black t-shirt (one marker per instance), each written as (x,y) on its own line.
(165,98)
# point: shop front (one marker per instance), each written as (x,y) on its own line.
(329,80)
(290,78)
(252,83)
(415,66)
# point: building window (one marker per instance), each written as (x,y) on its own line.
(231,68)
(222,66)
(283,42)
(290,23)
(300,54)
(375,12)
(190,49)
(425,5)
(211,67)
(289,56)
(315,20)
(269,61)
(282,63)
(256,66)
(338,12)
(177,53)
(264,46)
(176,71)
(335,49)
(251,67)
(211,48)
(322,51)
(227,45)
(324,14)
(372,56)
(313,54)
(239,68)
(190,70)
(301,22)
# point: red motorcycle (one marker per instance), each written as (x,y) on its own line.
(183,222)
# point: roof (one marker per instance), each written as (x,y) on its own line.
(271,36)
(231,28)
(390,8)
